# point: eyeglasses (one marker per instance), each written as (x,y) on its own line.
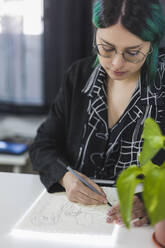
(130,56)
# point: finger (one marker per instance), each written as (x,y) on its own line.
(110,219)
(79,191)
(115,210)
(74,185)
(89,201)
(137,203)
(96,186)
(141,222)
(117,219)
(85,200)
(138,213)
(91,194)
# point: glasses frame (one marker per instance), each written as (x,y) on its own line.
(122,53)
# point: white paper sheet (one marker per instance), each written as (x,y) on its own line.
(55,214)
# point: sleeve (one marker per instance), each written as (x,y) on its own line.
(160,156)
(162,78)
(49,143)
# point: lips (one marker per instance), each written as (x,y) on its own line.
(116,73)
(119,73)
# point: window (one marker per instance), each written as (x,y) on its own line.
(21,52)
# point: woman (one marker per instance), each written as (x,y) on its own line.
(95,123)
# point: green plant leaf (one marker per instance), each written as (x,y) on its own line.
(153,140)
(151,175)
(126,184)
(151,128)
(163,165)
(148,167)
(154,194)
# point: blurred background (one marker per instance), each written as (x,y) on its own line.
(39,39)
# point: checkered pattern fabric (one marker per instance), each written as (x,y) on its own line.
(118,148)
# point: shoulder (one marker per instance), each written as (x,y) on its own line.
(158,86)
(160,78)
(87,61)
(82,67)
(76,76)
(79,72)
(161,60)
(161,69)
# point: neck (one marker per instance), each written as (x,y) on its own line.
(132,80)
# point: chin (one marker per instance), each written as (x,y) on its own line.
(113,77)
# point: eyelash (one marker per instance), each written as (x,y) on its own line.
(106,48)
(133,52)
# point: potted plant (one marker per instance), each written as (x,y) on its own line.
(152,178)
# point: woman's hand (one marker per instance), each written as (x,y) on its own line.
(77,192)
(139,214)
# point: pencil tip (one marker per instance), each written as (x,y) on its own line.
(109,204)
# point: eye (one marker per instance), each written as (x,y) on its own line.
(132,53)
(108,48)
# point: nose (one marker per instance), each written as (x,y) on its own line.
(118,61)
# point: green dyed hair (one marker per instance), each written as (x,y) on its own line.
(153,32)
(144,18)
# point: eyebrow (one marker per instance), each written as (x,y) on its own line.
(131,47)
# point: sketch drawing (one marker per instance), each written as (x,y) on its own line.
(54,213)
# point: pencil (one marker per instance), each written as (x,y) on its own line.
(81,179)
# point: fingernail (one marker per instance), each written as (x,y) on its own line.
(109,219)
(136,224)
(110,212)
(119,221)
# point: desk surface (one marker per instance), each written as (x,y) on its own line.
(18,192)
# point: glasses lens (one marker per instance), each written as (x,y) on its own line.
(133,57)
(105,51)
(109,52)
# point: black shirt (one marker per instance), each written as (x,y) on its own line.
(77,133)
